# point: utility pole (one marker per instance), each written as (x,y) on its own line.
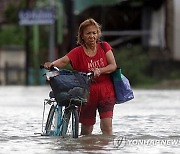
(69,6)
(52,35)
(27,49)
(72,23)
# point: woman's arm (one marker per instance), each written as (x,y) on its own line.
(111,67)
(61,62)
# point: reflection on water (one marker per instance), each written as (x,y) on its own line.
(148,124)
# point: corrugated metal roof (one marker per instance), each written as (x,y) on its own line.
(81,5)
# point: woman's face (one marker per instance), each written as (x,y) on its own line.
(90,35)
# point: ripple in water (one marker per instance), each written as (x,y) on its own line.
(151,117)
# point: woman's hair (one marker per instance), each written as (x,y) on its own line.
(83,25)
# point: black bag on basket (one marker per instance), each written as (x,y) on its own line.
(69,84)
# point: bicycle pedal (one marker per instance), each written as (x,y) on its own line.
(37,133)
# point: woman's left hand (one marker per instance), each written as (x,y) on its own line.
(97,72)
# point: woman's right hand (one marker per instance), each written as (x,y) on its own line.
(47,65)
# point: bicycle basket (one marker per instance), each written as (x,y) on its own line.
(69,85)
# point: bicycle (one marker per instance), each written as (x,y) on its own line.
(63,116)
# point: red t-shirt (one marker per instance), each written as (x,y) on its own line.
(83,63)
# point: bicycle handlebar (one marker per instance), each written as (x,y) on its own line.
(54,68)
(90,74)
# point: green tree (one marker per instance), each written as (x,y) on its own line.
(11,11)
(12,34)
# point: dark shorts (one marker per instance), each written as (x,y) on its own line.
(101,98)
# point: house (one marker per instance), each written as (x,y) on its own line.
(153,23)
(12,65)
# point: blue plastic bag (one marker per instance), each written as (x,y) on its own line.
(122,87)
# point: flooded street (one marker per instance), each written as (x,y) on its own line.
(149,124)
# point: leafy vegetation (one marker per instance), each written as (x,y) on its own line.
(12,35)
(134,62)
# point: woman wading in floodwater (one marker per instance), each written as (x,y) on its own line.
(89,56)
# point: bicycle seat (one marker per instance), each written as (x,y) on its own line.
(78,101)
(51,94)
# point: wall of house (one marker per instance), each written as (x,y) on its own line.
(157,32)
(176,55)
(12,64)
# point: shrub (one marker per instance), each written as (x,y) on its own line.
(134,62)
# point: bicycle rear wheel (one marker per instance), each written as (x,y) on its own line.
(70,123)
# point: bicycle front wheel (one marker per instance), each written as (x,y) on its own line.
(70,125)
(50,120)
